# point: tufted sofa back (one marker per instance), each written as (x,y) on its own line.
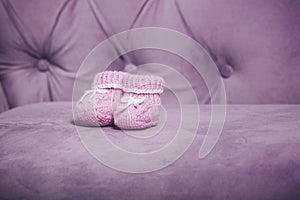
(43,43)
(42,46)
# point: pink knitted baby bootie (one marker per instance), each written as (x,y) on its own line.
(95,108)
(140,104)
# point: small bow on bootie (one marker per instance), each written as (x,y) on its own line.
(129,100)
(93,91)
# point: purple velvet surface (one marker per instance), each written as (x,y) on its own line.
(3,103)
(254,43)
(257,157)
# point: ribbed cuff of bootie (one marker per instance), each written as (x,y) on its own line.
(109,79)
(143,84)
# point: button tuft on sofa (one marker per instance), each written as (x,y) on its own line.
(226,70)
(43,65)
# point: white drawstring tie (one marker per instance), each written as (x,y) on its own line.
(130,100)
(94,91)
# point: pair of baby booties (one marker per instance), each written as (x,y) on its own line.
(126,100)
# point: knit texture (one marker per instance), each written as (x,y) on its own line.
(109,79)
(140,103)
(95,108)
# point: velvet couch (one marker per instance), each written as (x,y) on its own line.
(255,46)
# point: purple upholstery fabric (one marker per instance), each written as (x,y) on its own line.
(254,43)
(257,157)
(256,47)
(3,103)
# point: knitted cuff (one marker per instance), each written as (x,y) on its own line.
(108,79)
(142,84)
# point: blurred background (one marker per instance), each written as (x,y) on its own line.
(255,45)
